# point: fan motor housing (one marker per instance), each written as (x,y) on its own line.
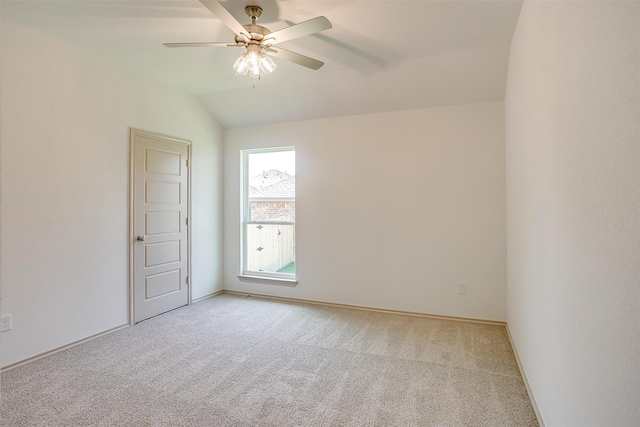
(256,32)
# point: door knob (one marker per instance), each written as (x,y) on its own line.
(140,238)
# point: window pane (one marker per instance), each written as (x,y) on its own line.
(271,210)
(271,248)
(272,186)
(269,198)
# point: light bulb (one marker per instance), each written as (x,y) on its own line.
(255,72)
(254,60)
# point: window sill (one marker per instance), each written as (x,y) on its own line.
(268,280)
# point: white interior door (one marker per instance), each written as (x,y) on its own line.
(160,191)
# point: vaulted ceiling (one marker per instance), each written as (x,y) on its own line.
(379,56)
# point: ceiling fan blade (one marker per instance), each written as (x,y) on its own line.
(201,44)
(296,58)
(305,28)
(223,14)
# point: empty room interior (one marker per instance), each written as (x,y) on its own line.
(460,212)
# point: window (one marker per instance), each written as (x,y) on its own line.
(269,215)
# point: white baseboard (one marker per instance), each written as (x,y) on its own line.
(534,404)
(84,340)
(62,348)
(206,297)
(361,307)
(536,409)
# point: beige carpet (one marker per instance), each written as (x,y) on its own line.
(235,361)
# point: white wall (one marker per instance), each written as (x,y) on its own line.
(66,117)
(393,210)
(573,209)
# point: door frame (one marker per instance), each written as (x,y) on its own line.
(131,238)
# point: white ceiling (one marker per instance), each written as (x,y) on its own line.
(379,55)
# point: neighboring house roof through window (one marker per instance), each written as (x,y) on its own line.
(266,179)
(282,190)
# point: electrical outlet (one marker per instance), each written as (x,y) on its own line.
(5,323)
(462,288)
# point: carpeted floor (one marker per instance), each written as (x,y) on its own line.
(236,361)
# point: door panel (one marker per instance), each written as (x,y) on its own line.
(162,253)
(160,237)
(163,162)
(162,284)
(162,222)
(162,192)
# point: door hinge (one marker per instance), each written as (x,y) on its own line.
(186,221)
(187,280)
(187,162)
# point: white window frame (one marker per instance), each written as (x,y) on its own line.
(285,279)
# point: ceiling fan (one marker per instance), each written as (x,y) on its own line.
(259,41)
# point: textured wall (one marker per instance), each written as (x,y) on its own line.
(393,210)
(65,181)
(573,208)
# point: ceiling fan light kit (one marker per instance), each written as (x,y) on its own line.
(259,41)
(254,62)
